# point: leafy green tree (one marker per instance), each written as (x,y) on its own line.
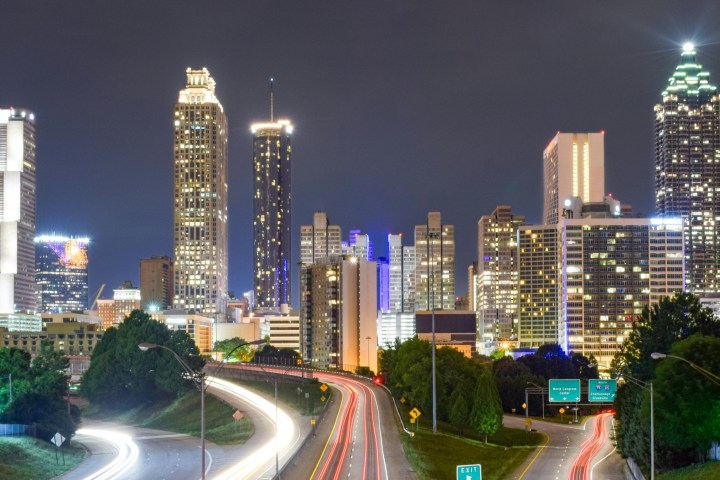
(657,329)
(122,376)
(511,379)
(39,391)
(242,354)
(550,361)
(687,403)
(460,411)
(274,355)
(486,414)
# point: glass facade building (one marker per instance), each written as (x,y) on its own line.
(687,168)
(61,273)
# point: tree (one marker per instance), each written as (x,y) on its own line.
(242,354)
(657,329)
(39,391)
(687,404)
(123,376)
(511,379)
(486,414)
(274,355)
(460,412)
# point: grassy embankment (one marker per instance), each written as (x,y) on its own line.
(703,471)
(435,456)
(25,458)
(183,416)
(292,394)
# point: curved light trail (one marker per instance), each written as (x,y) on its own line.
(127,453)
(581,467)
(359,408)
(252,465)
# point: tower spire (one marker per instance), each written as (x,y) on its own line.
(272,101)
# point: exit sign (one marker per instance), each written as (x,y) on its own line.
(469,472)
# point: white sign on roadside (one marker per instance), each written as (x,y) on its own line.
(57,439)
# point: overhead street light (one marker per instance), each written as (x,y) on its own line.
(199,382)
(709,375)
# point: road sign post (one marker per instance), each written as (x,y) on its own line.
(468,472)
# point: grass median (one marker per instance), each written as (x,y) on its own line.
(25,458)
(702,471)
(435,456)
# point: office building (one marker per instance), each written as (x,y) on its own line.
(126,298)
(200,236)
(338,313)
(199,327)
(687,168)
(395,325)
(401,275)
(17,212)
(585,280)
(285,330)
(472,286)
(497,277)
(434,264)
(61,273)
(271,211)
(70,338)
(358,245)
(383,284)
(455,329)
(320,239)
(156,282)
(573,166)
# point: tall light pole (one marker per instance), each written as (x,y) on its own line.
(649,387)
(709,375)
(199,382)
(431,279)
(368,338)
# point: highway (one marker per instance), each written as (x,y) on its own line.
(122,452)
(572,452)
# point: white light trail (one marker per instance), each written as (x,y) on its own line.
(285,431)
(124,460)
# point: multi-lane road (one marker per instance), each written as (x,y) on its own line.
(121,452)
(572,452)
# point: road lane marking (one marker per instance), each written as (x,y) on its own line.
(547,439)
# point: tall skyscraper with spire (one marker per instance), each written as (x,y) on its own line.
(200,236)
(687,168)
(271,208)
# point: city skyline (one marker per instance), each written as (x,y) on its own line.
(389,142)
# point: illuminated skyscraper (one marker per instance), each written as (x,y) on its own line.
(434,265)
(200,196)
(401,260)
(271,208)
(497,276)
(573,166)
(687,168)
(319,240)
(17,211)
(61,273)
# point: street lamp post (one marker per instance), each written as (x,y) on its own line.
(199,381)
(431,279)
(647,386)
(709,375)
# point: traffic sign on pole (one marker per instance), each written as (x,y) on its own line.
(469,472)
(563,391)
(602,390)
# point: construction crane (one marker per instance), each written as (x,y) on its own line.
(97,296)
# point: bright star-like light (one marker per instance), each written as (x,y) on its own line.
(688,47)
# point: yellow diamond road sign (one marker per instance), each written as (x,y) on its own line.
(322,399)
(402,399)
(323,387)
(414,413)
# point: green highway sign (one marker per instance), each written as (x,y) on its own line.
(469,472)
(563,391)
(602,390)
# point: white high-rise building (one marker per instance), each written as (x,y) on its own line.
(583,281)
(401,261)
(320,239)
(201,198)
(359,245)
(434,265)
(573,166)
(17,212)
(497,270)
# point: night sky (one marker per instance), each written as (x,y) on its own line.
(400,107)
